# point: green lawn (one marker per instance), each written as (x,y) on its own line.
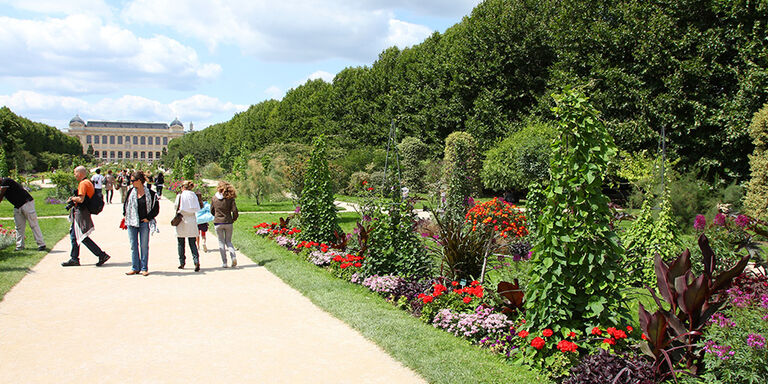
(14,265)
(437,356)
(43,209)
(346,221)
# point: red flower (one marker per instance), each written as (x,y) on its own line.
(547,332)
(370,188)
(466,299)
(538,343)
(572,334)
(427,299)
(567,346)
(644,337)
(523,334)
(454,283)
(358,265)
(610,341)
(597,331)
(630,329)
(475,282)
(365,182)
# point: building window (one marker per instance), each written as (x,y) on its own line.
(96,139)
(119,153)
(127,140)
(142,154)
(157,155)
(88,139)
(112,140)
(165,141)
(135,155)
(111,154)
(149,154)
(119,140)
(103,154)
(96,154)
(143,140)
(135,141)
(149,140)
(104,139)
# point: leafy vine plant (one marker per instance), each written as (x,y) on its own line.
(576,259)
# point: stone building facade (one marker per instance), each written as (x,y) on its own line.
(125,140)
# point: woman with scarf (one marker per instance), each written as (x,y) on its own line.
(187,204)
(140,209)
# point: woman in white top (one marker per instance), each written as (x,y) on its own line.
(187,204)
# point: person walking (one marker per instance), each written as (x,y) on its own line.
(149,180)
(224,211)
(23,212)
(140,209)
(124,179)
(109,184)
(159,181)
(98,182)
(187,204)
(82,224)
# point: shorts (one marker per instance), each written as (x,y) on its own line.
(203,227)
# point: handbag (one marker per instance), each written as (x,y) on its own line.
(122,224)
(177,219)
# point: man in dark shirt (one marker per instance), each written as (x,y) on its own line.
(23,211)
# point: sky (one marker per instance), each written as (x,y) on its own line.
(200,61)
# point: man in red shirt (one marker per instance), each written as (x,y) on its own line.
(82,224)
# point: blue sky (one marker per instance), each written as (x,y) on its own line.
(199,60)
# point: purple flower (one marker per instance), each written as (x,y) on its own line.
(700,223)
(764,301)
(722,351)
(298,209)
(719,220)
(756,341)
(721,321)
(742,221)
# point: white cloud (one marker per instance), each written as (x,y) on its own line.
(290,30)
(90,7)
(327,77)
(274,92)
(403,34)
(80,53)
(203,110)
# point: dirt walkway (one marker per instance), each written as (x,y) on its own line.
(96,325)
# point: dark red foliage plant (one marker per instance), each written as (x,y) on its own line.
(513,295)
(671,335)
(604,367)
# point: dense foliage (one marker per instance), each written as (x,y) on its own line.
(27,144)
(698,68)
(520,159)
(412,152)
(756,202)
(394,247)
(461,174)
(318,214)
(577,256)
(188,167)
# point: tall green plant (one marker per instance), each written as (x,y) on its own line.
(756,202)
(318,214)
(188,166)
(575,274)
(461,173)
(413,151)
(3,164)
(520,159)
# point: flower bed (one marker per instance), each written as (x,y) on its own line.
(7,237)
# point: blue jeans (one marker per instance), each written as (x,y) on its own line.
(139,251)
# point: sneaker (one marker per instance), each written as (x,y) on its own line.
(19,249)
(71,263)
(205,249)
(42,248)
(102,260)
(197,267)
(234,262)
(224,265)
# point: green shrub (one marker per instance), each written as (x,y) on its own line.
(258,183)
(461,173)
(520,159)
(318,213)
(65,183)
(212,171)
(188,167)
(575,278)
(412,152)
(756,202)
(356,187)
(688,197)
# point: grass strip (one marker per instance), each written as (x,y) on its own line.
(41,207)
(15,265)
(437,356)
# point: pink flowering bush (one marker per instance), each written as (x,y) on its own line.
(7,237)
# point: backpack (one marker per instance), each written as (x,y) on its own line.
(95,203)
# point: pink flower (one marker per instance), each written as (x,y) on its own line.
(719,220)
(700,223)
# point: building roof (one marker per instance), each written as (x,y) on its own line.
(125,124)
(77,119)
(176,122)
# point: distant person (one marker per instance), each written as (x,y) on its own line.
(109,184)
(159,181)
(187,204)
(98,181)
(23,212)
(82,224)
(125,180)
(140,209)
(224,211)
(149,180)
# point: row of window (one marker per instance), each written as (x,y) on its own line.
(136,155)
(145,140)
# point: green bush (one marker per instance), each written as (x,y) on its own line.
(461,173)
(520,159)
(258,183)
(356,186)
(688,197)
(318,213)
(188,166)
(212,171)
(575,279)
(756,202)
(3,164)
(412,152)
(65,183)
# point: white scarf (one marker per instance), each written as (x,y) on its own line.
(188,202)
(132,210)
